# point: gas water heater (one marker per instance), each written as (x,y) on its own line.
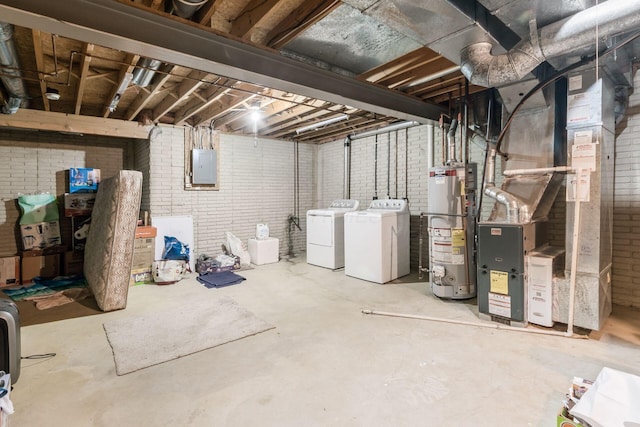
(452,224)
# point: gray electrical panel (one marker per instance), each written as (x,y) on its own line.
(204,166)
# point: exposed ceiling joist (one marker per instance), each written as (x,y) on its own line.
(123,27)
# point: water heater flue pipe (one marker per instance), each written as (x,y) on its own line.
(451,142)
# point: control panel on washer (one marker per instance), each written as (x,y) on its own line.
(344,204)
(399,205)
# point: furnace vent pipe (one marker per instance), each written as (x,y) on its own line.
(517,211)
(11,78)
(612,17)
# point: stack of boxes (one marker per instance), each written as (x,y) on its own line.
(44,254)
(143,255)
(78,204)
(40,235)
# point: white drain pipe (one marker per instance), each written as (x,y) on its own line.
(481,325)
(574,254)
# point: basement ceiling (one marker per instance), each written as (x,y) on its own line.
(360,64)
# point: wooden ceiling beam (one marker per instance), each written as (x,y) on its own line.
(203,15)
(291,116)
(252,14)
(192,82)
(142,100)
(416,72)
(87,50)
(223,113)
(275,12)
(60,122)
(40,66)
(316,116)
(398,64)
(128,67)
(212,95)
(302,18)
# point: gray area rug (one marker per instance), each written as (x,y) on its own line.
(142,341)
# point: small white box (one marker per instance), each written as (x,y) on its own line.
(264,251)
(542,266)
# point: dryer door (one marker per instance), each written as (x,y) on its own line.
(320,229)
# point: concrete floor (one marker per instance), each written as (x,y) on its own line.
(325,363)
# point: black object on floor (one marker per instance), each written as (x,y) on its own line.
(218,280)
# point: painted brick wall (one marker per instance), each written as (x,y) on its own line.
(402,164)
(257,181)
(36,161)
(626,207)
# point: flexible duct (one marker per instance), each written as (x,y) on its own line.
(612,17)
(11,76)
(517,211)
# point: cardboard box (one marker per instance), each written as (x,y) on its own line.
(46,266)
(146,231)
(542,266)
(141,276)
(80,226)
(143,253)
(41,235)
(79,204)
(72,263)
(9,271)
(83,180)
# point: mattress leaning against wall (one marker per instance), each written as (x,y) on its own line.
(109,247)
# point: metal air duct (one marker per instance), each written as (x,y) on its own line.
(10,66)
(187,8)
(612,17)
(146,69)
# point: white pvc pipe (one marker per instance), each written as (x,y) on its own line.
(574,255)
(482,325)
(430,135)
(536,171)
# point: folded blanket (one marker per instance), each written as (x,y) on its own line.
(218,280)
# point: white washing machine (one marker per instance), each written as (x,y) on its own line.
(325,234)
(376,241)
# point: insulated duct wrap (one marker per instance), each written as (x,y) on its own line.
(563,37)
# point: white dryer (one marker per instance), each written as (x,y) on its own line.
(325,234)
(377,241)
